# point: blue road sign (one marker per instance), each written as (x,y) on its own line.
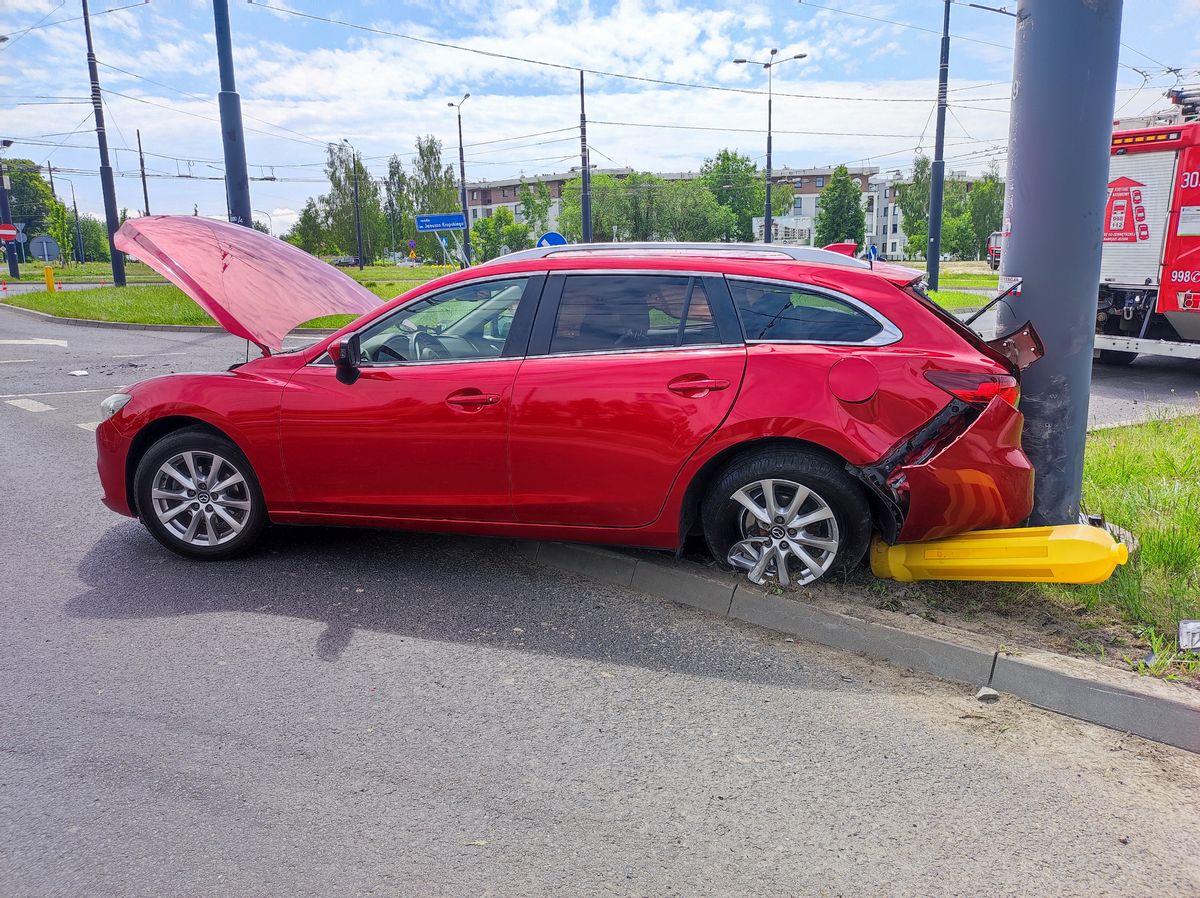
(449,221)
(445,242)
(552,238)
(873,252)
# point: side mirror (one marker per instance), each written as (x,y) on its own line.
(345,354)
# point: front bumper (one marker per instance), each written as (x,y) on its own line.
(112,451)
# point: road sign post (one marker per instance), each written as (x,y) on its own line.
(10,248)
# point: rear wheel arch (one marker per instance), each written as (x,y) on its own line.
(689,510)
(155,431)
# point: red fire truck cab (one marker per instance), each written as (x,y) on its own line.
(1149,300)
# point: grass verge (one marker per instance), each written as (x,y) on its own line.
(956,299)
(1146,478)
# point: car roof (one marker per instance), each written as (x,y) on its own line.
(757,259)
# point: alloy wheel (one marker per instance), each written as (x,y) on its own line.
(201,498)
(789,533)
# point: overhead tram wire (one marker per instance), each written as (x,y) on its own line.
(24,31)
(574,69)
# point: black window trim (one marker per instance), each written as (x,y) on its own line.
(720,304)
(888,334)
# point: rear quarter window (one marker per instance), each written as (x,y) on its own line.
(777,312)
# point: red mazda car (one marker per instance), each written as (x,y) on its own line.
(785,402)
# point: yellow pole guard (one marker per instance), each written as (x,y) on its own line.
(1068,553)
(48,271)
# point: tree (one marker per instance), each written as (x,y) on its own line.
(535,205)
(342,167)
(308,232)
(491,234)
(840,216)
(432,188)
(958,238)
(738,185)
(95,239)
(913,200)
(986,208)
(60,226)
(609,220)
(260,227)
(688,211)
(29,195)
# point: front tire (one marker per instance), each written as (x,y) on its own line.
(788,516)
(197,495)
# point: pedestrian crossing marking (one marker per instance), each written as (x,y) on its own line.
(31,405)
(89,425)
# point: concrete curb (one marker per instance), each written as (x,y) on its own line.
(133,326)
(1071,686)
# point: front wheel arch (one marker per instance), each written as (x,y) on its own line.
(151,434)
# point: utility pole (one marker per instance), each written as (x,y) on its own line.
(937,172)
(769,65)
(1058,155)
(142,165)
(585,204)
(462,182)
(50,173)
(107,185)
(232,136)
(10,246)
(82,257)
(357,211)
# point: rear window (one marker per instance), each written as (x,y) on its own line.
(786,313)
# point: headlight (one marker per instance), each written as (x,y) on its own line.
(113,404)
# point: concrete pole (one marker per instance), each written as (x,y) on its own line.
(78,230)
(585,204)
(937,171)
(1060,132)
(462,187)
(768,222)
(10,246)
(232,136)
(107,185)
(142,166)
(357,211)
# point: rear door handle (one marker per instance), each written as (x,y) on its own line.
(471,399)
(697,386)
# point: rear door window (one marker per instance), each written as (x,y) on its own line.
(775,312)
(613,312)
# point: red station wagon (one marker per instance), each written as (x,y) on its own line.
(784,402)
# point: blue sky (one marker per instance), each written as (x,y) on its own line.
(868,87)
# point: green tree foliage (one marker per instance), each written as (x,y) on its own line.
(491,234)
(958,238)
(986,208)
(341,167)
(535,206)
(29,195)
(260,227)
(60,226)
(840,216)
(432,187)
(738,185)
(95,239)
(688,211)
(609,219)
(913,200)
(309,231)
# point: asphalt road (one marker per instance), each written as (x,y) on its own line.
(353,713)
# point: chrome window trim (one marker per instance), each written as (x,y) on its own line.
(889,334)
(688,348)
(323,359)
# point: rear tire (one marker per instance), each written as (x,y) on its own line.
(197,495)
(786,516)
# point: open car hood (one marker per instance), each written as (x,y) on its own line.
(255,286)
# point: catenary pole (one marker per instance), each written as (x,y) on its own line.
(1057,177)
(768,221)
(462,181)
(233,137)
(357,210)
(10,246)
(585,204)
(78,231)
(142,166)
(937,172)
(107,185)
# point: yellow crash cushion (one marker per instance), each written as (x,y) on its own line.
(1068,553)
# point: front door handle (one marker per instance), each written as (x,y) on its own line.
(697,386)
(471,399)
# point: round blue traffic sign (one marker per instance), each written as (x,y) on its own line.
(552,238)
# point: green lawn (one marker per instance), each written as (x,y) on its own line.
(85,271)
(955,299)
(968,279)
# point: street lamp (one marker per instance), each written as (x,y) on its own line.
(462,181)
(769,65)
(357,212)
(270,221)
(79,254)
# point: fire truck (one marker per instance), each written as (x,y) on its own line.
(1149,301)
(995,239)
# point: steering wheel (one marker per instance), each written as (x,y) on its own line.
(426,346)
(385,349)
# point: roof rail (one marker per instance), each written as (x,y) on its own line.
(778,251)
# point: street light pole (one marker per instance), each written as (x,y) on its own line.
(462,181)
(270,221)
(585,204)
(142,166)
(769,65)
(357,211)
(107,185)
(937,172)
(233,137)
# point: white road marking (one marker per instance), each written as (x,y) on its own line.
(31,405)
(147,355)
(35,341)
(64,392)
(89,425)
(14,361)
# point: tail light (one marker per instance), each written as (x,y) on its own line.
(977,389)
